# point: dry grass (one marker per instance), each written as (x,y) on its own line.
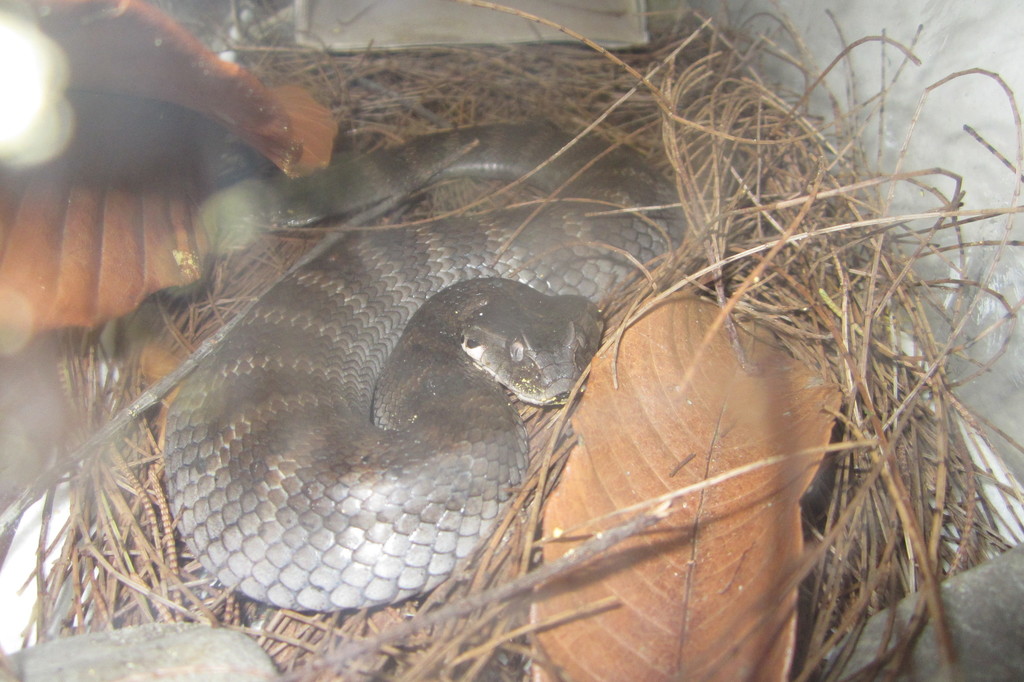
(786,225)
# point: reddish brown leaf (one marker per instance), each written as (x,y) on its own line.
(130,47)
(708,593)
(85,237)
(309,124)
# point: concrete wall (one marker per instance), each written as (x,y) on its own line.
(948,36)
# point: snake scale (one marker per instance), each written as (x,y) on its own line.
(281,482)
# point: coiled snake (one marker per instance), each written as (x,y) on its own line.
(282,484)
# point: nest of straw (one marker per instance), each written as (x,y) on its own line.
(767,193)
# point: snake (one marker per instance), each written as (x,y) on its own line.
(309,469)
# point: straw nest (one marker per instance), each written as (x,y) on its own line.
(782,207)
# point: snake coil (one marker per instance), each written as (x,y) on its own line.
(282,484)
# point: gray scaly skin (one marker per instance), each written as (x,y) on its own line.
(282,485)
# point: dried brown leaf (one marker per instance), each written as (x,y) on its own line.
(708,593)
(310,125)
(85,237)
(130,47)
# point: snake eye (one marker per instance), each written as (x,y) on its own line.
(570,340)
(473,347)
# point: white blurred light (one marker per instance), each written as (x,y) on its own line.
(34,119)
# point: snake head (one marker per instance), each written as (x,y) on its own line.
(535,345)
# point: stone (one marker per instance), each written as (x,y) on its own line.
(169,652)
(986,620)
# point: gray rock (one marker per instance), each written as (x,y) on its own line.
(985,611)
(174,652)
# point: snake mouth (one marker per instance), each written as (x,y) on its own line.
(545,399)
(533,390)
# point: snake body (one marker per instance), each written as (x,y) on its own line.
(282,484)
